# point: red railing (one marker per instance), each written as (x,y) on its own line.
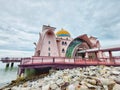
(61,60)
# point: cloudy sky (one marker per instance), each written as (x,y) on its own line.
(22,20)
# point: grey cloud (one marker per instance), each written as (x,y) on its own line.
(22,20)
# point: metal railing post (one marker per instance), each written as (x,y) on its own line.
(42,59)
(32,60)
(53,60)
(64,59)
(74,59)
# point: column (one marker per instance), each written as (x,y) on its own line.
(7,65)
(110,56)
(86,55)
(12,64)
(96,56)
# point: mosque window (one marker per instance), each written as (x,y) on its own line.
(38,52)
(63,50)
(65,43)
(62,43)
(48,54)
(48,42)
(49,49)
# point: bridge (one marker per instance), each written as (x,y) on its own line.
(49,61)
(63,62)
(11,60)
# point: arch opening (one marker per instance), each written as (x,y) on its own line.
(76,45)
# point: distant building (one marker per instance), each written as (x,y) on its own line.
(62,44)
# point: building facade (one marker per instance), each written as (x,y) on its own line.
(61,44)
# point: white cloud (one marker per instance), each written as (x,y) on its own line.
(22,20)
(15,53)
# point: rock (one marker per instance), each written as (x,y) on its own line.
(25,85)
(86,73)
(110,86)
(13,81)
(92,67)
(92,81)
(58,88)
(66,78)
(87,78)
(116,87)
(103,72)
(52,71)
(105,87)
(107,68)
(106,81)
(46,87)
(113,77)
(98,88)
(90,86)
(117,80)
(59,82)
(71,87)
(83,87)
(64,85)
(115,72)
(53,86)
(78,87)
(92,73)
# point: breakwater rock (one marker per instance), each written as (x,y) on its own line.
(86,78)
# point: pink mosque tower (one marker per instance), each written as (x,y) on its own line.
(47,45)
(62,45)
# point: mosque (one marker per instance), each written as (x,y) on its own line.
(61,44)
(59,51)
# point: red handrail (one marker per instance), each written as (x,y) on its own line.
(51,60)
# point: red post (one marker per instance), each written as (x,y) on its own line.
(64,59)
(21,61)
(110,56)
(74,59)
(53,60)
(42,60)
(85,61)
(32,60)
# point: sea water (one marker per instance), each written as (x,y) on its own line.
(7,74)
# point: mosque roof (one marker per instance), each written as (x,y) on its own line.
(63,33)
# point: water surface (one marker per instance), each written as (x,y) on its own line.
(7,74)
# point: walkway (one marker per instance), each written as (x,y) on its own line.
(37,62)
(10,60)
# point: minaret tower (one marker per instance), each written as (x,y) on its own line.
(47,45)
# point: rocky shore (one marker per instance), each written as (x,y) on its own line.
(86,78)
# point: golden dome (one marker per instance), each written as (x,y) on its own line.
(63,33)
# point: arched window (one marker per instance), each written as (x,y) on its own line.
(65,43)
(63,50)
(38,53)
(62,43)
(49,49)
(48,42)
